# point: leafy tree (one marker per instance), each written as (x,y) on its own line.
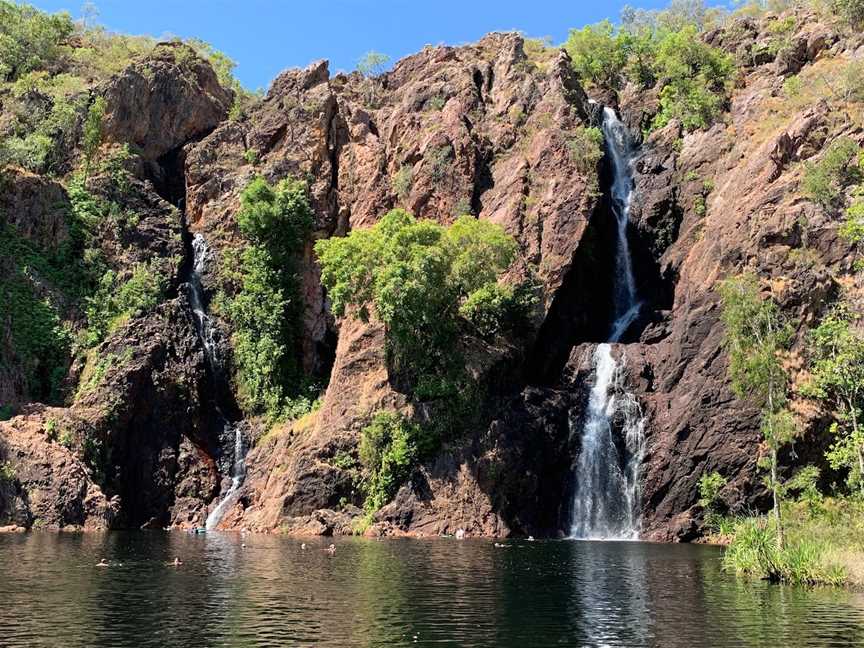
(30,39)
(416,274)
(755,337)
(694,76)
(372,63)
(838,377)
(275,218)
(265,311)
(598,53)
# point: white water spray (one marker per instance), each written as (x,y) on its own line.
(606,500)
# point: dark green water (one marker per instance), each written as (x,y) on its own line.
(397,592)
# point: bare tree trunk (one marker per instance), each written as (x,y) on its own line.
(776,496)
(775,486)
(855,438)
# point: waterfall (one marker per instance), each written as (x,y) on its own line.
(238,472)
(606,499)
(206,331)
(203,324)
(626,304)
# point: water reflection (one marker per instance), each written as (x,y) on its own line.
(397,592)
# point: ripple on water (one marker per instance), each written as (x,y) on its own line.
(397,592)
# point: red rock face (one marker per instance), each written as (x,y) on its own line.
(481,129)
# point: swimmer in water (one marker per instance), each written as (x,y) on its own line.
(331,549)
(103,563)
(177,562)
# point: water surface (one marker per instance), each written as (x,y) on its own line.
(397,592)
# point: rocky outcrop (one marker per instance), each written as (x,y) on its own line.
(163,101)
(43,484)
(736,204)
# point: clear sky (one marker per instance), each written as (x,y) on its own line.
(267,36)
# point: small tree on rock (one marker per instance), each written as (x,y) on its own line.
(755,337)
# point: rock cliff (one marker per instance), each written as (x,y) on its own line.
(484,129)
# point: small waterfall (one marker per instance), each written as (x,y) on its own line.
(606,500)
(238,473)
(207,333)
(203,323)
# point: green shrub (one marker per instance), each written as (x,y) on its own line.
(44,139)
(402,180)
(710,485)
(840,166)
(792,86)
(586,148)
(852,81)
(116,301)
(851,11)
(390,447)
(66,439)
(439,160)
(852,228)
(93,131)
(251,157)
(265,312)
(40,341)
(50,428)
(435,103)
(7,472)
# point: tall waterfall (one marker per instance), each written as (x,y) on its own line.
(606,500)
(207,334)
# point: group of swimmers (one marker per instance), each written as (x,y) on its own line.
(104,563)
(330,550)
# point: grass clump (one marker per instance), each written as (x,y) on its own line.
(823,545)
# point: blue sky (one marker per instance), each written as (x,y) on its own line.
(267,36)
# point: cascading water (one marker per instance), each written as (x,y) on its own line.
(606,500)
(207,334)
(238,473)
